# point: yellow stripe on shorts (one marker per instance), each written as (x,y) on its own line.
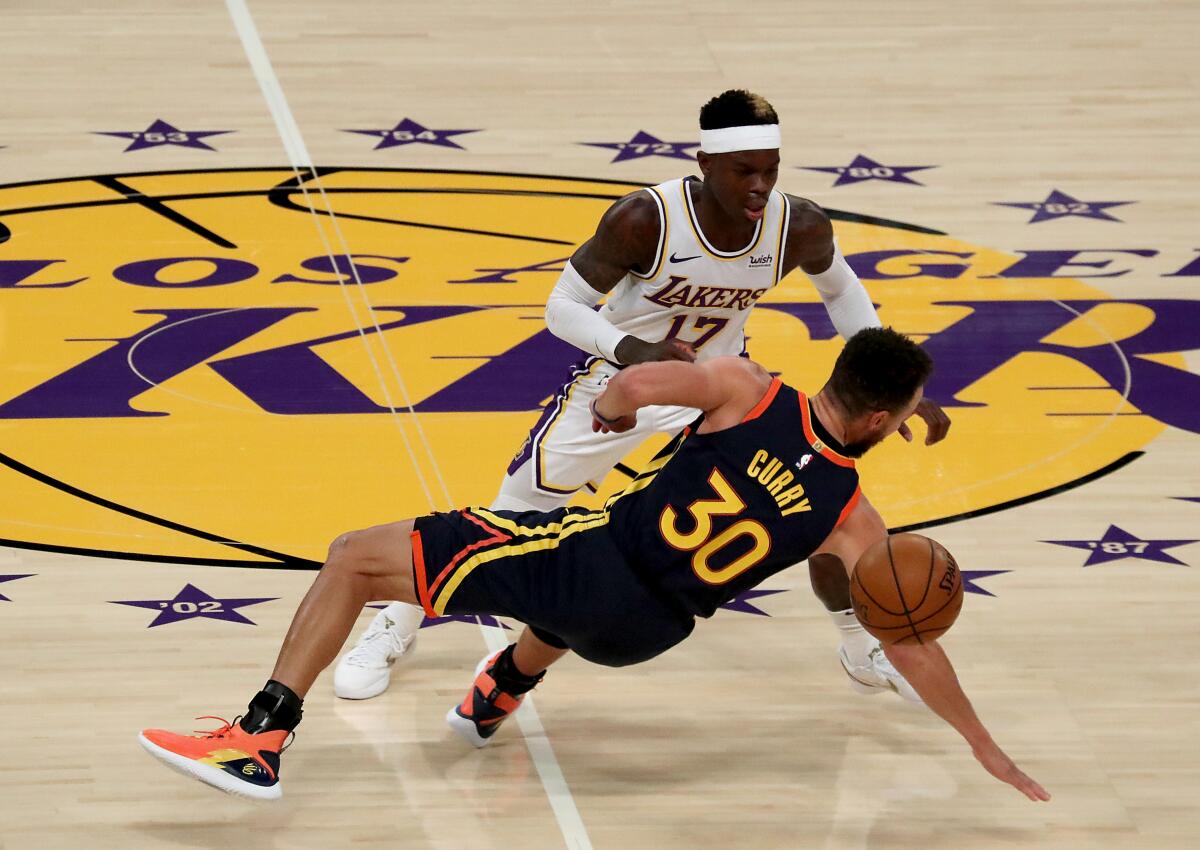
(551,528)
(467,566)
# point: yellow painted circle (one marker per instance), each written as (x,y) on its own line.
(214,466)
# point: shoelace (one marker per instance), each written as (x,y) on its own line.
(360,656)
(227,727)
(215,733)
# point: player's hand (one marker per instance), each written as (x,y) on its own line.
(937,423)
(632,350)
(604,424)
(999,765)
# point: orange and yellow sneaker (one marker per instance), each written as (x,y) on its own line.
(229,758)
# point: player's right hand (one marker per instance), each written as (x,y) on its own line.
(996,762)
(602,424)
(632,350)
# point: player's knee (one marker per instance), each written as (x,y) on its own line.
(340,547)
(351,552)
(334,552)
(353,564)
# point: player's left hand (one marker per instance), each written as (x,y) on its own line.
(937,423)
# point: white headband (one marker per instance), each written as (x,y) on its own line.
(754,137)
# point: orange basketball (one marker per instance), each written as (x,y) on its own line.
(906,589)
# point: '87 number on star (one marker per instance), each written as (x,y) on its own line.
(1116,547)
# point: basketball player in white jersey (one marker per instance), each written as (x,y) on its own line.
(682,264)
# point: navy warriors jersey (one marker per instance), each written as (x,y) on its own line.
(714,514)
(693,291)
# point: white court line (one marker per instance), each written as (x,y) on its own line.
(557,791)
(297,153)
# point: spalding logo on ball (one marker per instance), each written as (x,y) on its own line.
(906,589)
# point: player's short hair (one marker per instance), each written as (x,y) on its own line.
(736,108)
(879,369)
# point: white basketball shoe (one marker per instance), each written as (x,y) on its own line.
(876,675)
(366,670)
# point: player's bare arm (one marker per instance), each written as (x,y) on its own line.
(926,666)
(809,244)
(810,247)
(928,669)
(725,388)
(625,240)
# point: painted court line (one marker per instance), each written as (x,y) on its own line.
(557,791)
(300,161)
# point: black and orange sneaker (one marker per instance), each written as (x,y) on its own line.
(229,758)
(485,707)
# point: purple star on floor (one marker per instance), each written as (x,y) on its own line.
(742,604)
(1061,205)
(161,133)
(643,144)
(1187,498)
(4,598)
(193,602)
(409,132)
(969,577)
(863,168)
(1118,543)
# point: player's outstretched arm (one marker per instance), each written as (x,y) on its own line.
(725,388)
(926,666)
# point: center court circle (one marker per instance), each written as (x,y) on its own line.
(206,370)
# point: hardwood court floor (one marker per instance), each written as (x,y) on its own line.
(1073,389)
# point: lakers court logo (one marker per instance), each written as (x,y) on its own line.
(198,367)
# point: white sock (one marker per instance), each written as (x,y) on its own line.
(857,641)
(407,617)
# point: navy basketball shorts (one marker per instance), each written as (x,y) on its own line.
(557,571)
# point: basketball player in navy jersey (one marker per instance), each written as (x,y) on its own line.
(763,478)
(682,264)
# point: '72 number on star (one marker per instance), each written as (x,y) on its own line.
(648,147)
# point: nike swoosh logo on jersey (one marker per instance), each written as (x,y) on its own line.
(675,259)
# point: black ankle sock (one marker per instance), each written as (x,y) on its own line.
(276,706)
(511,680)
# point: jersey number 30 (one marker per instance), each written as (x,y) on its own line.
(700,539)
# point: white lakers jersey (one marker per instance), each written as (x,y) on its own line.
(694,292)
